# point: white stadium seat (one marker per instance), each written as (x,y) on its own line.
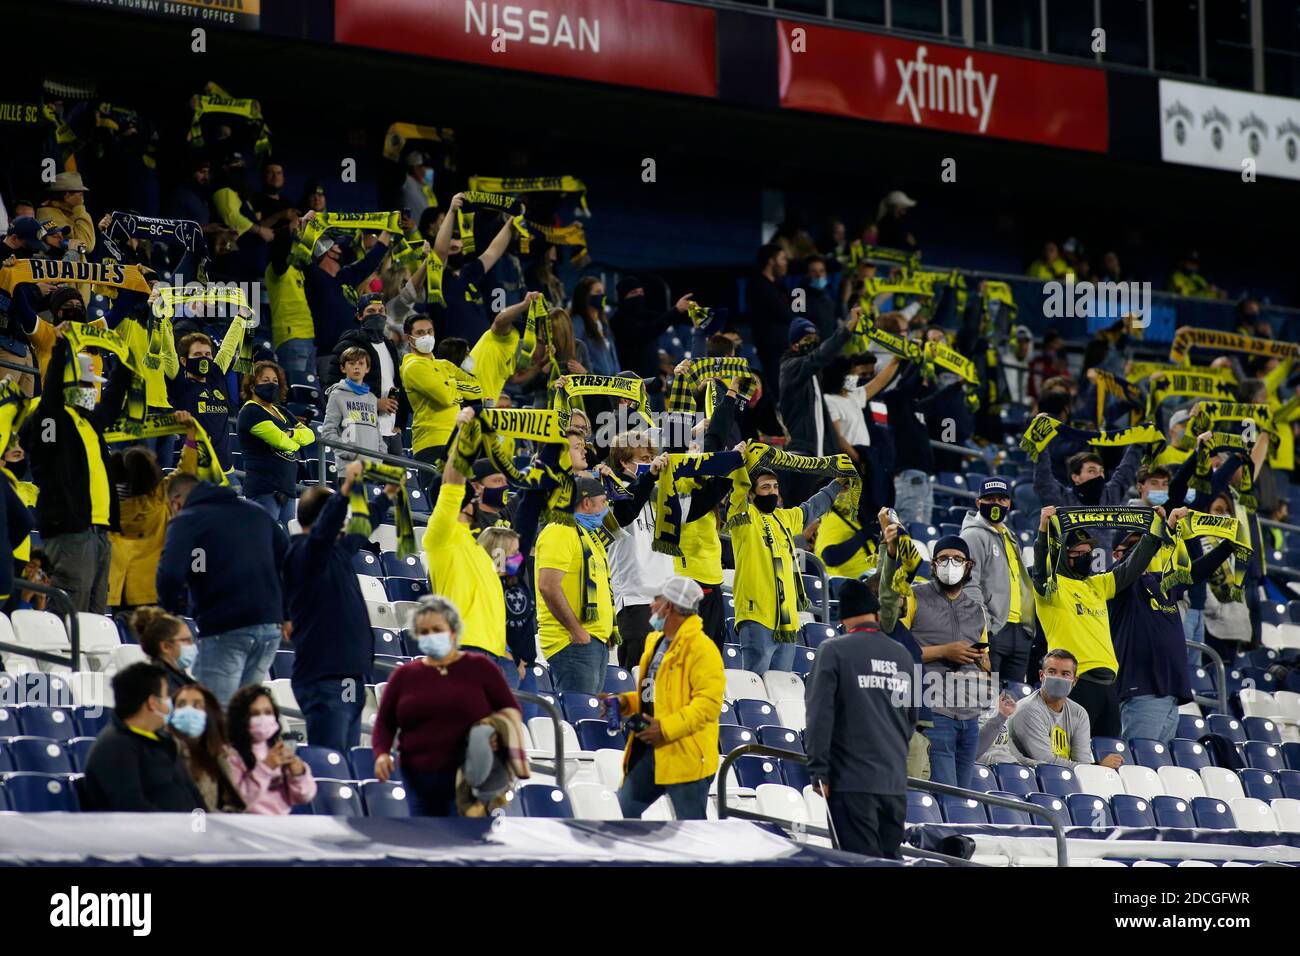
(609,767)
(783,685)
(124,656)
(40,630)
(98,637)
(594,801)
(742,684)
(385,535)
(1181,782)
(1287,812)
(1257,703)
(1103,781)
(782,802)
(1252,814)
(1222,784)
(661,809)
(792,714)
(381,615)
(372,590)
(1141,781)
(816,806)
(91,688)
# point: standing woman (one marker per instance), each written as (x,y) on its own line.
(270,438)
(432,702)
(270,778)
(570,356)
(592,327)
(196,723)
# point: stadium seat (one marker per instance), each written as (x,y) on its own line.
(1049,801)
(541,800)
(542,675)
(407,567)
(922,808)
(1093,778)
(782,802)
(781,737)
(1173,811)
(1253,815)
(1006,815)
(1058,781)
(91,720)
(124,656)
(336,798)
(78,749)
(755,713)
(792,714)
(731,657)
(1263,756)
(752,770)
(794,773)
(744,684)
(1212,813)
(804,658)
(618,680)
(1257,703)
(1189,754)
(382,614)
(1139,781)
(1290,755)
(783,685)
(1262,728)
(1102,746)
(594,801)
(1287,812)
(40,630)
(1150,753)
(405,589)
(727,715)
(595,735)
(1089,810)
(1016,779)
(1131,810)
(365,563)
(576,707)
(1018,689)
(30,792)
(98,636)
(609,768)
(1182,782)
(57,723)
(9,723)
(1221,784)
(812,634)
(91,688)
(983,779)
(1228,727)
(386,641)
(962,810)
(1191,727)
(542,730)
(38,755)
(384,799)
(325,762)
(39,688)
(1260,784)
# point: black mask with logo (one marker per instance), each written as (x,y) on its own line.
(993,513)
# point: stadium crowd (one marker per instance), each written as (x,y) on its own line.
(591,496)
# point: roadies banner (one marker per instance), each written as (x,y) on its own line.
(889,80)
(643,43)
(1220,129)
(245,14)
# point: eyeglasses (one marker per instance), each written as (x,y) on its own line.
(949,562)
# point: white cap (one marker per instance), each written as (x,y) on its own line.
(1022,332)
(899,198)
(683,592)
(1180,417)
(86,369)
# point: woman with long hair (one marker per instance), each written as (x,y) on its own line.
(558,353)
(270,778)
(197,725)
(166,640)
(270,437)
(592,327)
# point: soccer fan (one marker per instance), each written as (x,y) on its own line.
(270,437)
(999,579)
(271,778)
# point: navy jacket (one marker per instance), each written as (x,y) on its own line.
(332,310)
(227,553)
(127,771)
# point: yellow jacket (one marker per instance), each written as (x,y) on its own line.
(138,546)
(688,693)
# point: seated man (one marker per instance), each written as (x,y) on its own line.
(134,764)
(1048,727)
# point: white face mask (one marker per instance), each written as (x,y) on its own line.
(468,364)
(424,344)
(951,574)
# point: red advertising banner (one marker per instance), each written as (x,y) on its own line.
(644,43)
(872,77)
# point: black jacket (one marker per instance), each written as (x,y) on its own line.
(59,467)
(800,406)
(637,329)
(127,771)
(361,338)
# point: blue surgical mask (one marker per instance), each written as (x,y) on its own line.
(591,521)
(189,721)
(189,654)
(819,282)
(428,176)
(642,467)
(435,644)
(657,622)
(1158,496)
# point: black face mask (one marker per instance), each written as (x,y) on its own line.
(806,347)
(198,367)
(994,514)
(765,503)
(374,324)
(72,314)
(1089,492)
(494,497)
(1081,565)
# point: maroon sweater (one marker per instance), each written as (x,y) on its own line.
(434,713)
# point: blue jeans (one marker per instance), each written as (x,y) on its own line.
(579,668)
(639,790)
(235,659)
(298,355)
(952,750)
(913,496)
(1155,718)
(430,794)
(507,664)
(759,650)
(1194,630)
(332,708)
(282,513)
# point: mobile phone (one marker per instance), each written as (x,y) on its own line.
(982,646)
(637,723)
(893,517)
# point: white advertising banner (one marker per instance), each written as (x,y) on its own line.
(1220,129)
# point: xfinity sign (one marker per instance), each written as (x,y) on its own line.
(944,88)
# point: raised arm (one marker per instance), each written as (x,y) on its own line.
(500,243)
(442,241)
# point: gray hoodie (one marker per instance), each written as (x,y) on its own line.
(990,579)
(351,418)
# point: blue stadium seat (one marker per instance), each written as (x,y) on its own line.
(1271,612)
(838,581)
(541,800)
(1213,814)
(752,771)
(1089,810)
(407,567)
(1290,755)
(387,642)
(595,735)
(363,562)
(37,687)
(1006,815)
(754,713)
(1191,727)
(1189,754)
(731,736)
(1289,781)
(1259,678)
(1260,784)
(542,675)
(384,799)
(1150,753)
(336,798)
(731,658)
(325,762)
(6,763)
(920,531)
(30,792)
(9,723)
(1101,746)
(78,749)
(575,707)
(1016,779)
(420,504)
(922,808)
(983,779)
(1263,756)
(1261,728)
(794,773)
(618,680)
(1018,689)
(729,627)
(804,658)
(38,755)
(91,720)
(962,810)
(1058,781)
(531,710)
(812,634)
(405,589)
(1260,657)
(771,735)
(946,529)
(1132,811)
(1172,812)
(728,715)
(1050,801)
(1229,727)
(362,760)
(1202,681)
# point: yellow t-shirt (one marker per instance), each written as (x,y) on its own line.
(559,548)
(835,530)
(463,572)
(100,490)
(1075,617)
(756,544)
(494,362)
(290,314)
(430,385)
(1013,569)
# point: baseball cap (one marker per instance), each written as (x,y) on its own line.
(365,300)
(1080,536)
(856,600)
(30,230)
(415,158)
(994,485)
(585,488)
(86,369)
(683,592)
(1180,417)
(897,197)
(1022,332)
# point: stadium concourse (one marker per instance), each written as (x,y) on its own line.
(471,484)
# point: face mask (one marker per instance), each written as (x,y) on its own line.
(765,503)
(165,714)
(994,514)
(514,563)
(494,497)
(1082,565)
(597,302)
(642,467)
(374,323)
(818,283)
(72,315)
(468,364)
(1089,492)
(806,347)
(263,727)
(435,644)
(951,572)
(591,521)
(267,391)
(1158,496)
(189,654)
(189,721)
(428,177)
(657,622)
(1057,688)
(424,344)
(198,366)
(80,397)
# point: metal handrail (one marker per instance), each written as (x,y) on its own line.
(377,455)
(73,660)
(1222,672)
(1062,854)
